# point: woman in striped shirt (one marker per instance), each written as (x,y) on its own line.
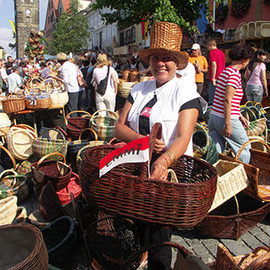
(226,122)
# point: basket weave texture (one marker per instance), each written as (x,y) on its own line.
(26,242)
(8,209)
(13,104)
(234,217)
(36,102)
(124,190)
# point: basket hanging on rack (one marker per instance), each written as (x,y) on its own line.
(24,248)
(44,146)
(51,170)
(234,217)
(125,190)
(13,104)
(75,125)
(104,124)
(257,170)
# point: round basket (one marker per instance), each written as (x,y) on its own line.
(19,142)
(8,210)
(26,242)
(13,104)
(4,124)
(51,170)
(180,205)
(104,124)
(124,88)
(75,125)
(38,101)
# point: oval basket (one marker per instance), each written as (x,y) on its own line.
(26,242)
(13,104)
(104,124)
(120,191)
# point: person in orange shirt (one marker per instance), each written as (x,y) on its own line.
(200,64)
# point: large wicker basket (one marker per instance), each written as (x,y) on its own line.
(13,104)
(125,191)
(22,248)
(38,101)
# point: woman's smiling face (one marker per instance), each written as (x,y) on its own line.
(163,67)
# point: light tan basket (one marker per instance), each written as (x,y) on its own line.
(38,103)
(232,179)
(8,210)
(124,88)
(13,104)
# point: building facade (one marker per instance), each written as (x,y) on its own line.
(26,18)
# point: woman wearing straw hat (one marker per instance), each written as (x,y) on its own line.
(172,101)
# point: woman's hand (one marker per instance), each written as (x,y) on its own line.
(244,121)
(227,131)
(159,169)
(159,145)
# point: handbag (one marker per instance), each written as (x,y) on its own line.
(102,86)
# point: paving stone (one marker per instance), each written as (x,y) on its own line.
(250,240)
(255,230)
(263,237)
(194,242)
(239,248)
(209,241)
(207,258)
(200,250)
(212,249)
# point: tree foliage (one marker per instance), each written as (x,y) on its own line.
(130,12)
(72,31)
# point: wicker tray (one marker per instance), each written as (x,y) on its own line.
(232,179)
(233,218)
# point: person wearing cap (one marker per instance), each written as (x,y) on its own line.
(69,76)
(216,66)
(200,64)
(172,101)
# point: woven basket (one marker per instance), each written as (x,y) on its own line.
(51,170)
(124,191)
(233,218)
(8,210)
(75,125)
(259,258)
(4,124)
(26,242)
(256,127)
(124,88)
(232,179)
(104,125)
(13,104)
(59,237)
(19,142)
(7,161)
(38,101)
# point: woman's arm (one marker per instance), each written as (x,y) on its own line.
(264,82)
(122,131)
(185,126)
(115,82)
(230,91)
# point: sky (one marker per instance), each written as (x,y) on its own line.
(6,30)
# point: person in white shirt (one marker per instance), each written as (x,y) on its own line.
(14,80)
(3,76)
(69,76)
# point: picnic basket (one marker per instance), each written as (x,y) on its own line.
(126,190)
(13,104)
(26,242)
(258,170)
(259,258)
(75,125)
(104,124)
(232,179)
(51,170)
(233,218)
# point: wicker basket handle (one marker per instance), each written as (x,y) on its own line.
(88,129)
(30,133)
(10,156)
(9,172)
(25,126)
(50,155)
(173,176)
(249,142)
(103,110)
(55,129)
(78,111)
(183,251)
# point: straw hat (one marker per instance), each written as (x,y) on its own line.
(165,37)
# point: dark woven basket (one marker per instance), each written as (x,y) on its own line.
(59,237)
(228,222)
(111,239)
(124,190)
(22,248)
(52,171)
(75,125)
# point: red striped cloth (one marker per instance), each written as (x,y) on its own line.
(229,76)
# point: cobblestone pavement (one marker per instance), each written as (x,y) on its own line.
(198,244)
